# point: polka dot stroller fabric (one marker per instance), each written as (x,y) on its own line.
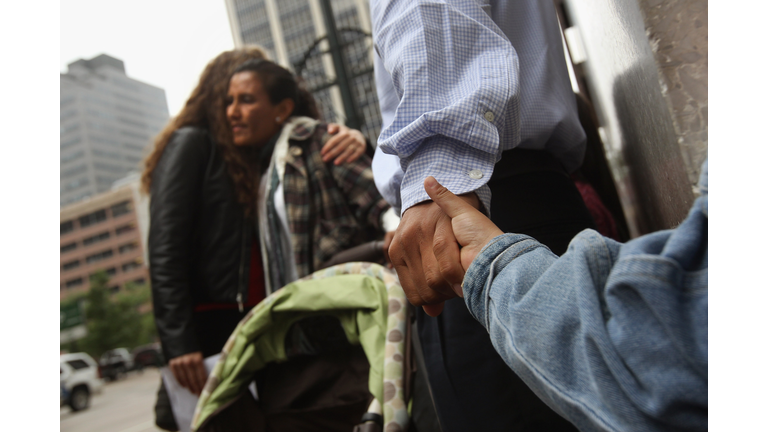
(370,305)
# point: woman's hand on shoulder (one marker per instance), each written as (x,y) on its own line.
(345,144)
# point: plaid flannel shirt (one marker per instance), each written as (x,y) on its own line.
(329,208)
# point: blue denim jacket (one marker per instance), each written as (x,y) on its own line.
(612,336)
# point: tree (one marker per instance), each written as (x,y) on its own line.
(115,321)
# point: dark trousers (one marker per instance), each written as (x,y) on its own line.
(214,327)
(473,388)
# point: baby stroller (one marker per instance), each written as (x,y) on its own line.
(329,351)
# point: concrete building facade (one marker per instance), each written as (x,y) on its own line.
(287,29)
(105,232)
(107,121)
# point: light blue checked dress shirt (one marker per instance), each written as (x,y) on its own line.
(472,78)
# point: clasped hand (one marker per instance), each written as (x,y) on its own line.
(435,244)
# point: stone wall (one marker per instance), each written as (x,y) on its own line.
(678,34)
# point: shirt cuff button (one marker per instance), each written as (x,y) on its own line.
(489,116)
(475,174)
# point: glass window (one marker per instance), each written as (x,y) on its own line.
(138,136)
(65,129)
(78,364)
(74,282)
(132,159)
(131,122)
(105,154)
(96,238)
(127,247)
(66,227)
(74,184)
(69,157)
(124,229)
(130,266)
(121,208)
(108,167)
(64,144)
(93,218)
(70,265)
(74,171)
(68,247)
(98,256)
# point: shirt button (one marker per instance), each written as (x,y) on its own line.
(296,151)
(489,116)
(476,174)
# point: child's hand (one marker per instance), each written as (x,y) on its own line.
(473,230)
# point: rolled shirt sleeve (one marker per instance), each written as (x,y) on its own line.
(456,76)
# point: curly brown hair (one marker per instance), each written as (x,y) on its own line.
(205,108)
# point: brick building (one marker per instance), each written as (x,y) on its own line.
(106,232)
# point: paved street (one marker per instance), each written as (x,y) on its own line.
(123,406)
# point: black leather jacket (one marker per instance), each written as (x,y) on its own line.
(199,237)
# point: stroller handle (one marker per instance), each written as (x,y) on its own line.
(372,251)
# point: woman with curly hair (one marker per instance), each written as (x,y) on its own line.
(204,252)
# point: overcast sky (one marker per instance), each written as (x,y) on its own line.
(166,43)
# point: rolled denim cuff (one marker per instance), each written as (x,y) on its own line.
(491,260)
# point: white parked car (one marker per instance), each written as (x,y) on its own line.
(80,378)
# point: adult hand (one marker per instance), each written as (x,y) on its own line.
(426,255)
(472,229)
(189,371)
(345,144)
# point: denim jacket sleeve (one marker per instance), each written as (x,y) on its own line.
(611,336)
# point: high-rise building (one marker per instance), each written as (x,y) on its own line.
(287,29)
(107,122)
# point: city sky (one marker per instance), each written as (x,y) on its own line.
(163,43)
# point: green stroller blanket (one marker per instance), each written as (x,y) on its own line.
(368,301)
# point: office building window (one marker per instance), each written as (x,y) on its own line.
(102,180)
(74,282)
(98,256)
(107,167)
(96,238)
(75,184)
(66,227)
(121,208)
(105,154)
(65,144)
(69,157)
(75,171)
(93,218)
(68,247)
(124,229)
(70,265)
(130,266)
(127,247)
